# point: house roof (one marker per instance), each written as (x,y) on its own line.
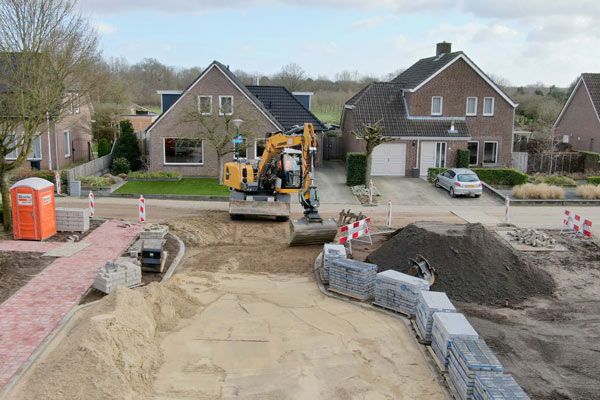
(225,70)
(591,83)
(426,69)
(383,102)
(285,107)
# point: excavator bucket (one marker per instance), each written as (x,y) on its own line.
(304,233)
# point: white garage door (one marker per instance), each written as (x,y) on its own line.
(389,159)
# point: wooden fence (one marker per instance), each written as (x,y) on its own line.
(561,162)
(332,147)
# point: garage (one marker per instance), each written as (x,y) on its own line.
(389,159)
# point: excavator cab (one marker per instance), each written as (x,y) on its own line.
(291,169)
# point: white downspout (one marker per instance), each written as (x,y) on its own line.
(49,145)
(418,145)
(56,147)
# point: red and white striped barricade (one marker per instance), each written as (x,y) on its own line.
(142,209)
(57,181)
(569,223)
(354,231)
(585,233)
(389,221)
(370,192)
(91,201)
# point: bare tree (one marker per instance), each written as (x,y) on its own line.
(372,134)
(291,76)
(46,50)
(219,130)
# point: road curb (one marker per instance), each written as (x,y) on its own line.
(176,261)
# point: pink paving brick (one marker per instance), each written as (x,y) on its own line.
(28,246)
(32,313)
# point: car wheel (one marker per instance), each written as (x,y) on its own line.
(437,183)
(452,192)
(477,196)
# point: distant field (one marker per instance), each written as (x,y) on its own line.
(330,116)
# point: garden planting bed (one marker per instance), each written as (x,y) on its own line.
(18,268)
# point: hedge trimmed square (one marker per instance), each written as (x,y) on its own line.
(593,180)
(356,167)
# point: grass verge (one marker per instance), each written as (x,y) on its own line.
(186,186)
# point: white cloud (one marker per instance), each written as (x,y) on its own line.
(329,48)
(473,33)
(368,23)
(105,29)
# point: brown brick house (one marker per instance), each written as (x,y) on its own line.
(218,90)
(437,106)
(579,121)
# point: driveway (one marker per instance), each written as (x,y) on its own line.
(331,183)
(419,192)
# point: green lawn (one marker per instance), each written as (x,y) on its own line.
(202,186)
(328,116)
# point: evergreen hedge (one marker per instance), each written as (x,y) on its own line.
(356,167)
(127,147)
(103,147)
(593,180)
(463,158)
(492,176)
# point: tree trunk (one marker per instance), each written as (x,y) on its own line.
(368,169)
(6,209)
(221,165)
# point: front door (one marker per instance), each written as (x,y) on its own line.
(433,154)
(25,228)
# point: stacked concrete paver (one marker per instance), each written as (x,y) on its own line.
(468,359)
(114,274)
(72,219)
(446,328)
(331,251)
(351,277)
(429,303)
(399,292)
(498,387)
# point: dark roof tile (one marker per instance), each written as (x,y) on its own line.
(592,81)
(423,69)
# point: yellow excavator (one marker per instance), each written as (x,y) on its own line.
(264,187)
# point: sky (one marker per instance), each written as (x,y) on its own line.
(521,41)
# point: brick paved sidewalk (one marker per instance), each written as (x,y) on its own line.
(28,246)
(32,313)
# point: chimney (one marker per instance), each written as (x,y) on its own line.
(443,48)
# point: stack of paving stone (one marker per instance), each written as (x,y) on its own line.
(353,278)
(446,328)
(114,274)
(399,292)
(468,359)
(498,387)
(331,251)
(429,303)
(72,219)
(154,231)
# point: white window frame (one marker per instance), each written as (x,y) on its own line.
(477,156)
(39,140)
(165,153)
(70,102)
(256,155)
(16,150)
(495,156)
(493,99)
(441,105)
(199,107)
(473,114)
(77,108)
(436,160)
(222,113)
(67,143)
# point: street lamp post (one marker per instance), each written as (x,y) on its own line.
(237,123)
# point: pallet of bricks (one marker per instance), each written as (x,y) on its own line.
(114,274)
(428,304)
(446,328)
(352,278)
(469,359)
(498,387)
(72,219)
(399,292)
(331,251)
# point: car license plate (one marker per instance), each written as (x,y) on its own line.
(471,186)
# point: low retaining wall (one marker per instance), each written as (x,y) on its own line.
(541,202)
(191,197)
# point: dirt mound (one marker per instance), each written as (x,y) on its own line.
(112,351)
(472,263)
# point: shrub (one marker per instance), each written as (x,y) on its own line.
(120,165)
(356,167)
(554,180)
(588,191)
(95,181)
(103,147)
(538,191)
(463,158)
(49,176)
(122,176)
(432,173)
(127,147)
(593,180)
(154,175)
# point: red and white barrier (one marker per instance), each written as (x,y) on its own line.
(389,214)
(57,181)
(355,230)
(142,209)
(572,225)
(370,192)
(585,233)
(507,211)
(91,201)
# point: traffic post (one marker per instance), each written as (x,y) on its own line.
(389,221)
(57,181)
(142,209)
(91,201)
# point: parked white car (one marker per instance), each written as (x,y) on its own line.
(460,181)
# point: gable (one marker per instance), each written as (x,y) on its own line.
(579,106)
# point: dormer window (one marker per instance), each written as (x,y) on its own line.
(488,106)
(436,105)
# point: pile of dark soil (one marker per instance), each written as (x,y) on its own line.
(472,264)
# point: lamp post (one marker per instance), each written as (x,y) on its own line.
(237,123)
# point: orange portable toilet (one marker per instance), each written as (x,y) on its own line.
(33,211)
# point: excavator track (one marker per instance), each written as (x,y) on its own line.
(305,233)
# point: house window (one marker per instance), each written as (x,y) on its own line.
(440,155)
(471,106)
(67,135)
(436,105)
(12,140)
(488,106)
(183,151)
(490,153)
(259,147)
(473,153)
(205,105)
(241,149)
(225,105)
(36,151)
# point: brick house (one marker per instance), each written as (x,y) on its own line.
(437,106)
(141,118)
(579,121)
(216,91)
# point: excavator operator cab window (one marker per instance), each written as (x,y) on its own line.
(292,171)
